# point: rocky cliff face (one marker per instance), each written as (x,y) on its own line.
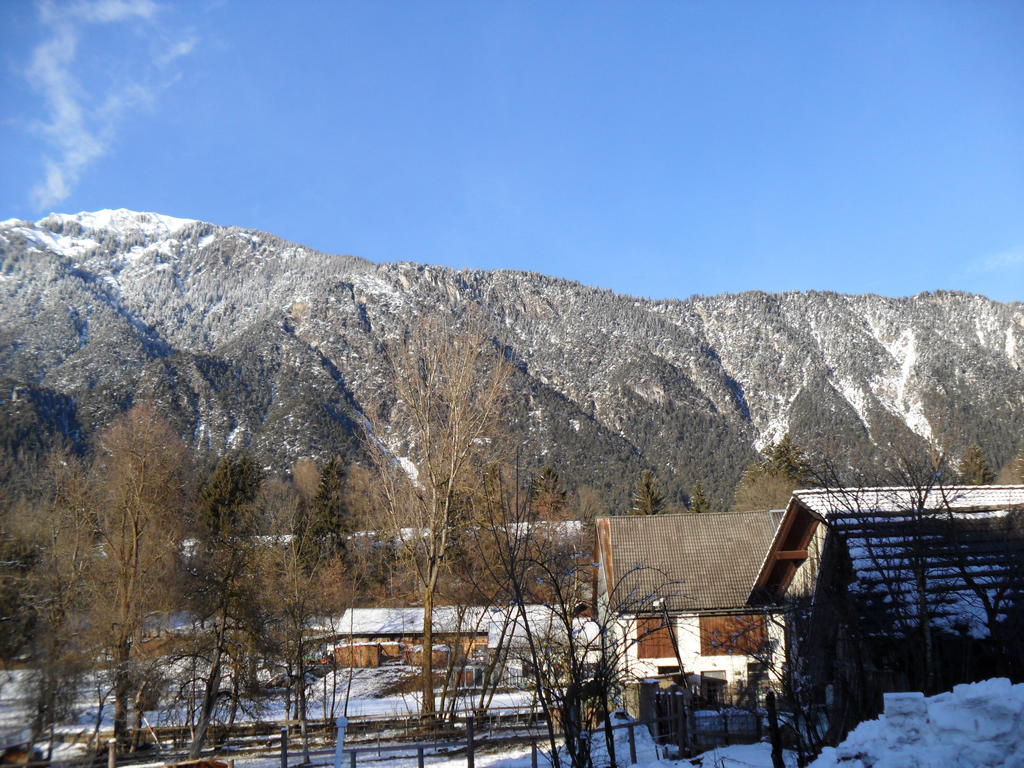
(248,341)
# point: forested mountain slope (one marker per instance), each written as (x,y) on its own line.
(248,341)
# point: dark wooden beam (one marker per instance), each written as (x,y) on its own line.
(793,554)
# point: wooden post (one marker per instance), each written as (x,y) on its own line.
(111,753)
(681,740)
(632,745)
(725,725)
(419,756)
(284,747)
(688,725)
(773,730)
(470,754)
(352,758)
(533,754)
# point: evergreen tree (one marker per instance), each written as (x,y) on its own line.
(647,496)
(768,484)
(549,497)
(1013,472)
(787,459)
(221,590)
(227,496)
(974,467)
(327,517)
(698,501)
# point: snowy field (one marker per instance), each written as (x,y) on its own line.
(368,692)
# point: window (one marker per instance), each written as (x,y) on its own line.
(726,635)
(654,640)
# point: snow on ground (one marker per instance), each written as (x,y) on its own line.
(973,726)
(369,692)
(739,756)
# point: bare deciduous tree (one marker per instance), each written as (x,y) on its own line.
(433,452)
(142,489)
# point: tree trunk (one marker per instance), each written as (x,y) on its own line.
(427,661)
(234,696)
(288,692)
(140,696)
(302,708)
(924,620)
(212,689)
(122,688)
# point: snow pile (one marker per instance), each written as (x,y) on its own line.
(741,756)
(972,726)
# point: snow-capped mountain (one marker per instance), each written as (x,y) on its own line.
(252,342)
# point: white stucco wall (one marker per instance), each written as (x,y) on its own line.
(687,633)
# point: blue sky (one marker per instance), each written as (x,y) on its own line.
(654,148)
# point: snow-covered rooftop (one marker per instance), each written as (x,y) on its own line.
(500,624)
(826,501)
(962,545)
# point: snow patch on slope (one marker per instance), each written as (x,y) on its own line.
(120,221)
(896,393)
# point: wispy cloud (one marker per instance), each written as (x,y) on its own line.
(81,123)
(182,47)
(1004,261)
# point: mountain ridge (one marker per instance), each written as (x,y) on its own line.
(240,335)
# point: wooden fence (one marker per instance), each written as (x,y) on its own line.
(409,726)
(676,727)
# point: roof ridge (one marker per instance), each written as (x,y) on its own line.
(862,488)
(663,515)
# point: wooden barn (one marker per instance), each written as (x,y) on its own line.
(369,637)
(897,588)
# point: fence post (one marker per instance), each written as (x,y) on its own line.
(352,758)
(632,746)
(419,756)
(773,730)
(339,744)
(533,754)
(691,731)
(111,753)
(679,726)
(470,756)
(284,747)
(725,726)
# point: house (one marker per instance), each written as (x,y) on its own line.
(897,588)
(369,637)
(471,637)
(675,589)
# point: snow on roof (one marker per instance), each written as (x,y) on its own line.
(962,545)
(502,625)
(826,501)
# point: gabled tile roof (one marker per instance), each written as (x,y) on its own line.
(695,562)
